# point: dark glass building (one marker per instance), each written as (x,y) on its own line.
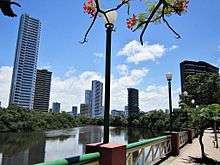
(42,90)
(133,105)
(192,67)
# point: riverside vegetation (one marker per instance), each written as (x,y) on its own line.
(17,119)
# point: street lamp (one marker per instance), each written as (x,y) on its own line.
(109,18)
(169,78)
(193,102)
(185,93)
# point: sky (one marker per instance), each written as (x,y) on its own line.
(75,65)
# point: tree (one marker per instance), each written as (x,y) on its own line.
(203,118)
(203,88)
(155,11)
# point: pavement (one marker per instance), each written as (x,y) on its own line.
(190,151)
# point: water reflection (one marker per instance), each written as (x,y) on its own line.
(22,148)
(29,148)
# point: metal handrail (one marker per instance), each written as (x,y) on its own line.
(146,141)
(82,159)
(148,151)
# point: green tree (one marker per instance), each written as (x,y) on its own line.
(203,88)
(204,118)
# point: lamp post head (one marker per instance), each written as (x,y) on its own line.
(193,101)
(185,93)
(169,76)
(110,18)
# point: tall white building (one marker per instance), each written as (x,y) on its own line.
(97,90)
(25,64)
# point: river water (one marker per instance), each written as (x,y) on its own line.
(35,147)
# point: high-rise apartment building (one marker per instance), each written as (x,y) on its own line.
(25,64)
(42,90)
(85,110)
(74,110)
(192,67)
(133,105)
(88,97)
(97,90)
(56,107)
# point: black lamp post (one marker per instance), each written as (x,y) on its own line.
(185,95)
(169,78)
(109,25)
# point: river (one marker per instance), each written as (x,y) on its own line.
(35,147)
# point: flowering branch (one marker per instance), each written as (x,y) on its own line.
(155,13)
(167,23)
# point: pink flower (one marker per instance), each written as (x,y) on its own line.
(89,7)
(131,22)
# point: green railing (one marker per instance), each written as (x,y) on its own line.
(146,141)
(148,151)
(82,159)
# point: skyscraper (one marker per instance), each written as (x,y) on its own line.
(133,102)
(25,64)
(74,110)
(97,90)
(56,107)
(88,97)
(192,67)
(85,110)
(42,90)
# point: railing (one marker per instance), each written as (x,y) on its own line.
(193,134)
(85,159)
(148,151)
(183,138)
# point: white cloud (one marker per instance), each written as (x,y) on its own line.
(173,47)
(69,90)
(156,97)
(122,69)
(136,53)
(5,83)
(119,86)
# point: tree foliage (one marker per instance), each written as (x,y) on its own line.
(203,88)
(19,119)
(203,118)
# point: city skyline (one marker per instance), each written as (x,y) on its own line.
(85,62)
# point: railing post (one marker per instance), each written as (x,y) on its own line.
(111,154)
(190,135)
(175,142)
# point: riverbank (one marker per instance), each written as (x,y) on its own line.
(16,119)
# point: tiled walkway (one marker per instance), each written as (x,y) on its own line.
(193,150)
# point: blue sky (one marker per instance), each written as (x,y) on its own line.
(63,26)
